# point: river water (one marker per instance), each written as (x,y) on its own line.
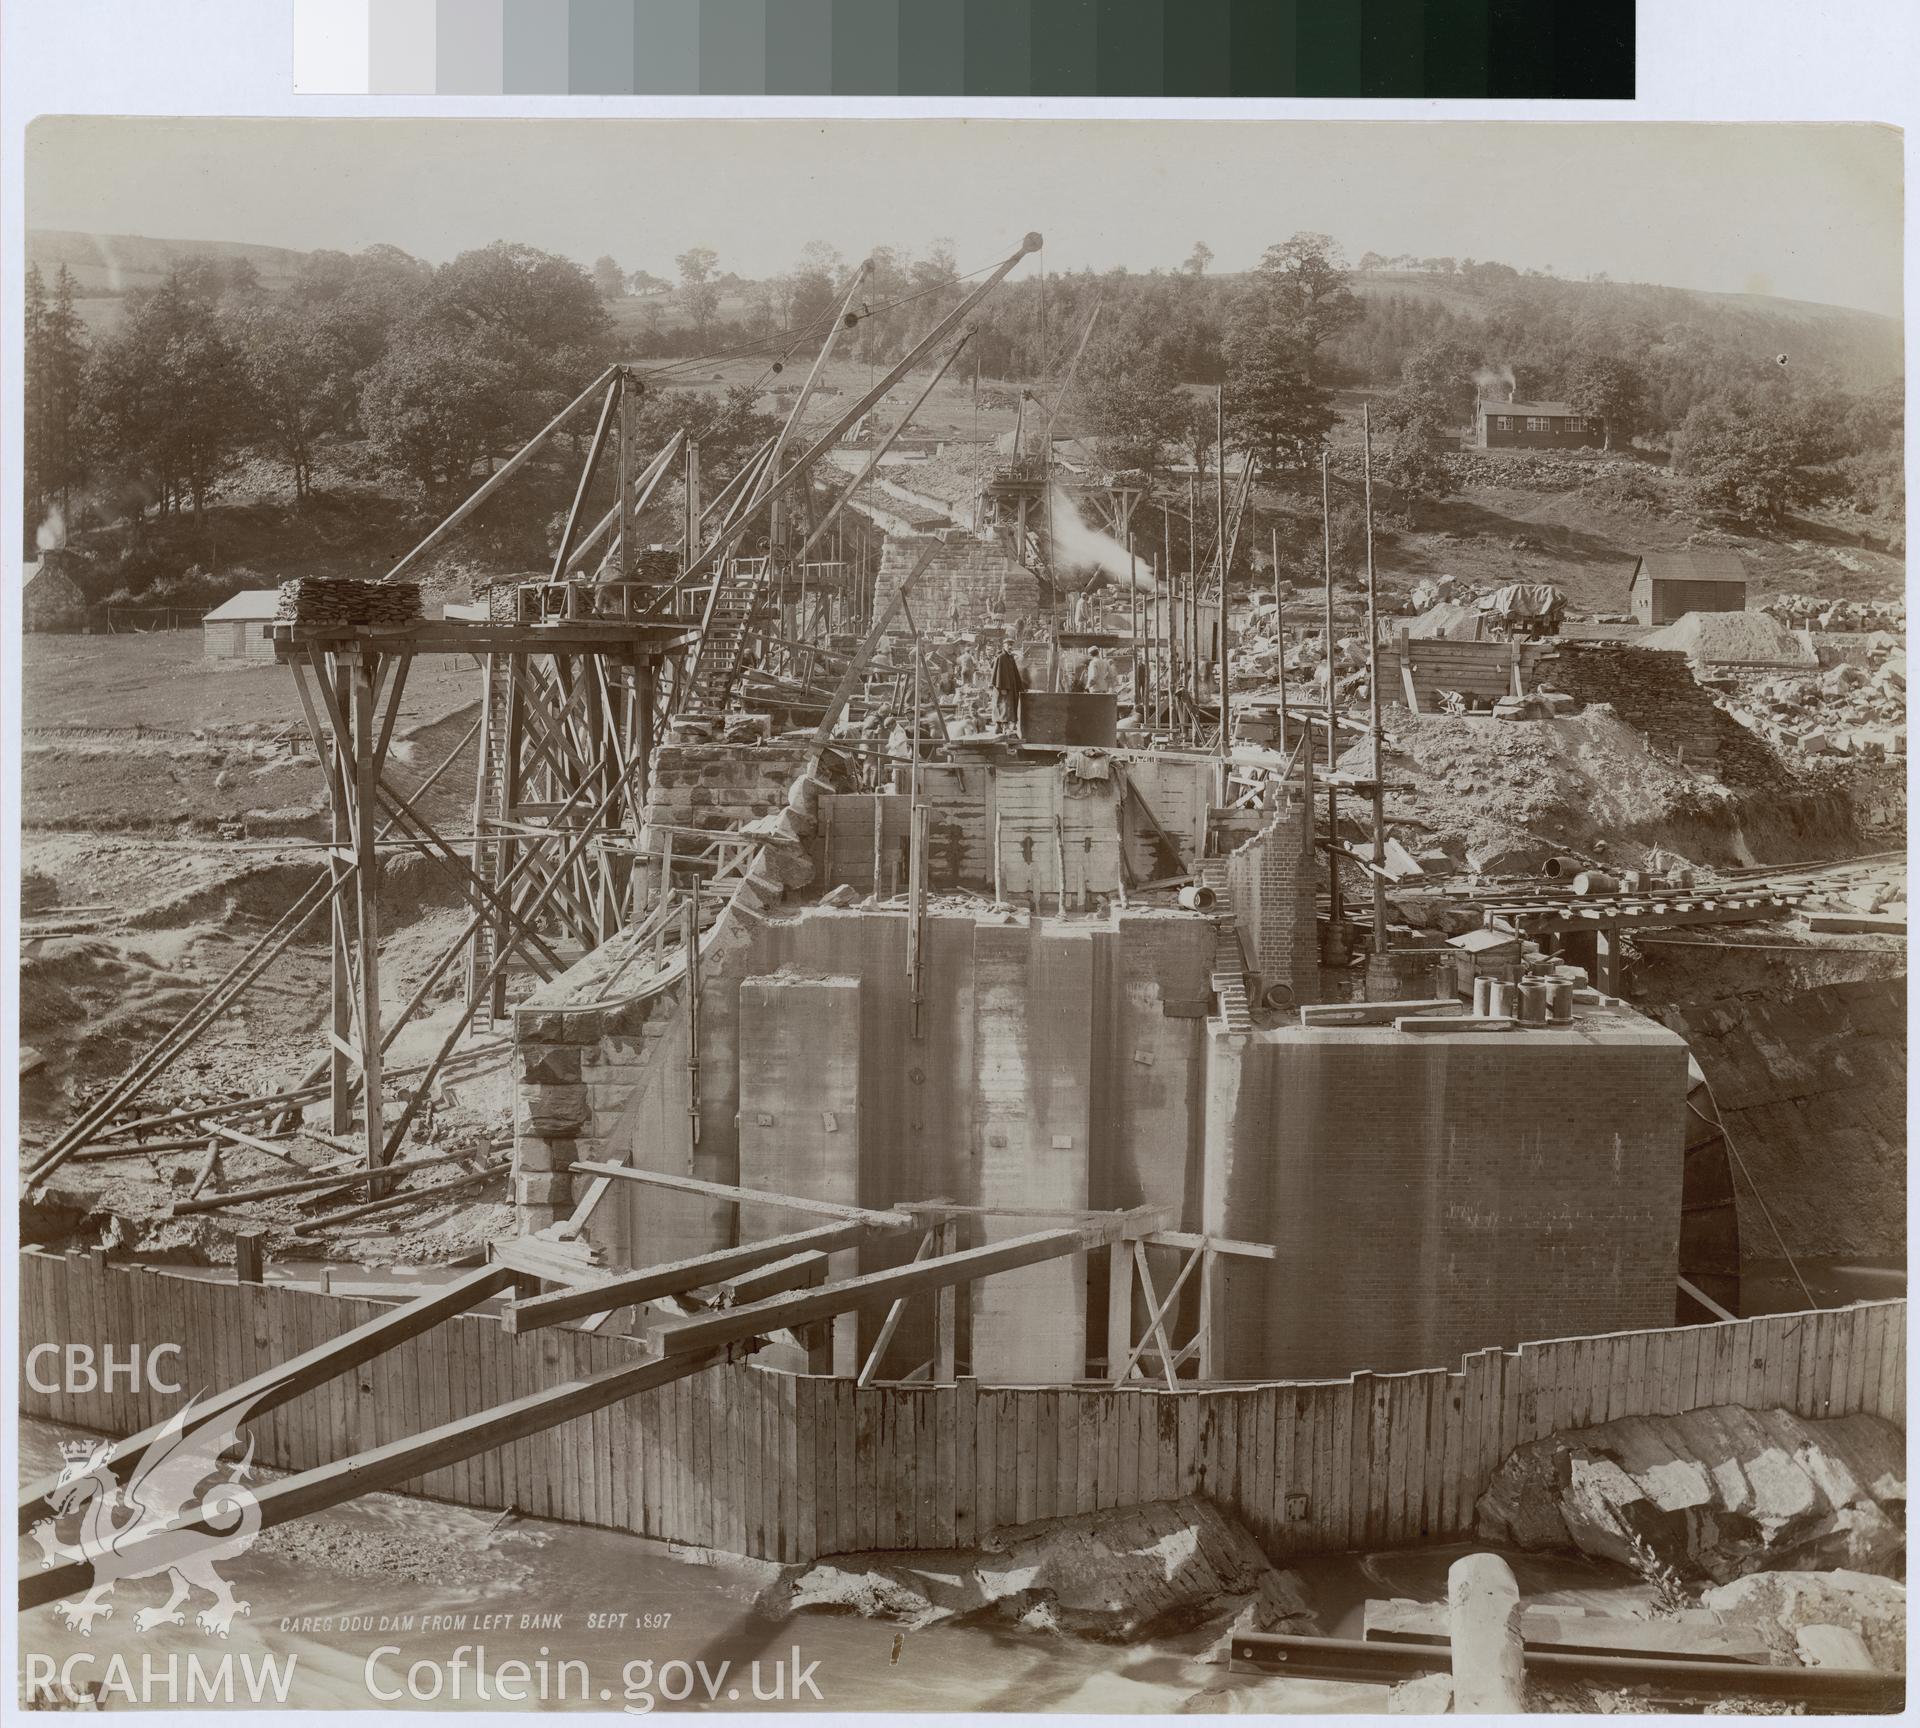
(395,1602)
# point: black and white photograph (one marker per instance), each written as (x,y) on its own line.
(1088,915)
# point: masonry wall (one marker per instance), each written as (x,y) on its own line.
(1442,1193)
(970,584)
(1088,1030)
(721,786)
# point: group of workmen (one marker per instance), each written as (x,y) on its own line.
(1095,675)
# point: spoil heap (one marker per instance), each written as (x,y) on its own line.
(348,600)
(1733,639)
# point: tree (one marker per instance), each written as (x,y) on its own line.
(1131,404)
(1748,455)
(54,356)
(168,391)
(608,278)
(1278,389)
(538,298)
(1603,385)
(438,400)
(300,370)
(1198,259)
(1422,417)
(1306,281)
(698,293)
(1444,371)
(1276,408)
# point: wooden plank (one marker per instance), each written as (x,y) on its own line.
(1027,1438)
(1090,1421)
(679,1276)
(866,1406)
(1125,1489)
(1065,1403)
(905,1451)
(1010,1462)
(966,1521)
(1891,1380)
(872,1289)
(846,1464)
(986,1457)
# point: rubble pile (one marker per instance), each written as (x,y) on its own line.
(1845,711)
(1811,612)
(348,600)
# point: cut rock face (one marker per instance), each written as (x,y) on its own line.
(1714,1494)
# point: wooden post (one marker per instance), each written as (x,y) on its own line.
(249,1257)
(1483,1624)
(1336,935)
(366,774)
(691,933)
(916,916)
(1221,553)
(1373,699)
(1204,1337)
(1280,641)
(339,1064)
(627,389)
(946,1312)
(1119,1307)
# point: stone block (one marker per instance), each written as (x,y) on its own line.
(554,1111)
(549,1064)
(533,1153)
(534,1219)
(544,1188)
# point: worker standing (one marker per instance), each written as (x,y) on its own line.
(1008,683)
(1099,674)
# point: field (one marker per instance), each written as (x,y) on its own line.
(164,683)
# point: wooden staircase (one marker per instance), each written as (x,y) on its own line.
(737,595)
(1229,959)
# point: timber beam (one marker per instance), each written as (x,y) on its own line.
(677,1277)
(802,1308)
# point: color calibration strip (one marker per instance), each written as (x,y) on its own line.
(1570,49)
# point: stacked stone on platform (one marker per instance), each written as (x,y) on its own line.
(338,600)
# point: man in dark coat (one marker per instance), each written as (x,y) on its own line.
(1008,683)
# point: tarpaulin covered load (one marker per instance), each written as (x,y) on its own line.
(1536,604)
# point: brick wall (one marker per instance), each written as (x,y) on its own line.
(970,584)
(1272,879)
(1438,1194)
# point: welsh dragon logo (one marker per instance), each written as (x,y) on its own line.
(132,1530)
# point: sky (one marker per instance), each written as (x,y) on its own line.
(1807,212)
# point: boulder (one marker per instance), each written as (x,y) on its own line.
(1713,1493)
(1781,1606)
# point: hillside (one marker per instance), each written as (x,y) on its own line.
(113,263)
